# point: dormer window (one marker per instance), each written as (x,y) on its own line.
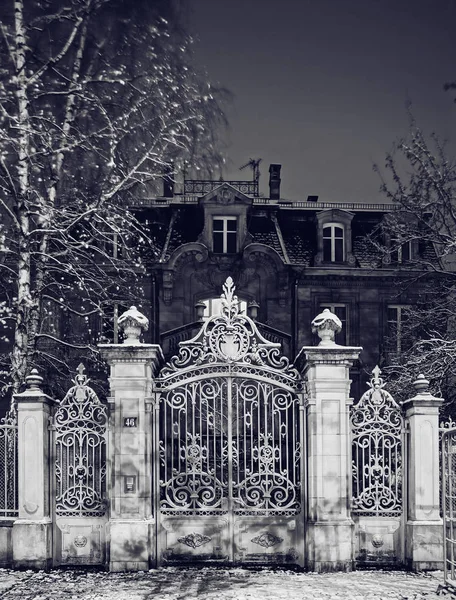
(403,253)
(224,232)
(333,243)
(334,230)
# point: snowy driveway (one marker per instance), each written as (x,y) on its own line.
(217,584)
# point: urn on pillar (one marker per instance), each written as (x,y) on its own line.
(133,323)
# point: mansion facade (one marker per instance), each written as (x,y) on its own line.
(289,260)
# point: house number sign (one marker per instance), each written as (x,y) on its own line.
(130,422)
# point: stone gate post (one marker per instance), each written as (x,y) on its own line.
(32,531)
(424,529)
(329,531)
(133,366)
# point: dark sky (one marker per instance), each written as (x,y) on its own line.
(321,86)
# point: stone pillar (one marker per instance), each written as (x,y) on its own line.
(133,366)
(32,531)
(329,531)
(424,529)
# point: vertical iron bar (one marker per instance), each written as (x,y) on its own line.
(451,501)
(230,467)
(444,509)
(404,483)
(156,469)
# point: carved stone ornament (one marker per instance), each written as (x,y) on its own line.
(377,540)
(194,540)
(133,323)
(326,325)
(267,540)
(230,337)
(80,541)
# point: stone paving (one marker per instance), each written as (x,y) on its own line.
(219,584)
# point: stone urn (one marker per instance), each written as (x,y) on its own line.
(326,325)
(133,323)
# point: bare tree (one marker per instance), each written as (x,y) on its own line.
(98,99)
(419,238)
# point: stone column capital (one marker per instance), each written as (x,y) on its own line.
(326,355)
(123,353)
(423,400)
(33,393)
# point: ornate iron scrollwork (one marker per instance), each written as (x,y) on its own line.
(80,441)
(377,425)
(229,422)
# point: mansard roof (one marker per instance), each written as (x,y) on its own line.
(291,233)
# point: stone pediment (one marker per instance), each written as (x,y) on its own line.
(225,195)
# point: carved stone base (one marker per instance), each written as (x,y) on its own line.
(424,545)
(131,545)
(32,544)
(330,546)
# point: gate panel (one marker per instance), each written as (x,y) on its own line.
(8,466)
(80,430)
(266,473)
(449,505)
(377,428)
(229,446)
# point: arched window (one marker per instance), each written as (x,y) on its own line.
(333,242)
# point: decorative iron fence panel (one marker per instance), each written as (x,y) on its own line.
(80,444)
(449,504)
(197,186)
(377,427)
(9,506)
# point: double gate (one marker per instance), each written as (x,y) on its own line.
(230,467)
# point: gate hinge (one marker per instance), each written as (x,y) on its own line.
(51,426)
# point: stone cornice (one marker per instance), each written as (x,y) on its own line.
(34,397)
(123,353)
(328,355)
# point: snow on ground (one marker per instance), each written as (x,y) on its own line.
(174,583)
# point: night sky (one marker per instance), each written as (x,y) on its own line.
(321,86)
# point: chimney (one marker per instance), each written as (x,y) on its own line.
(274,181)
(168,181)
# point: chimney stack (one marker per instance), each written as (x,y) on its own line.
(274,181)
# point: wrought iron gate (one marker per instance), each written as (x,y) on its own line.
(8,466)
(80,431)
(449,504)
(230,454)
(378,487)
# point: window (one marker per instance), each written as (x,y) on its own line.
(214,307)
(224,231)
(109,325)
(333,243)
(340,310)
(403,253)
(397,319)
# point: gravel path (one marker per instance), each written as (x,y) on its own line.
(217,584)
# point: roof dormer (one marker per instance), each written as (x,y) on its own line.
(225,220)
(334,236)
